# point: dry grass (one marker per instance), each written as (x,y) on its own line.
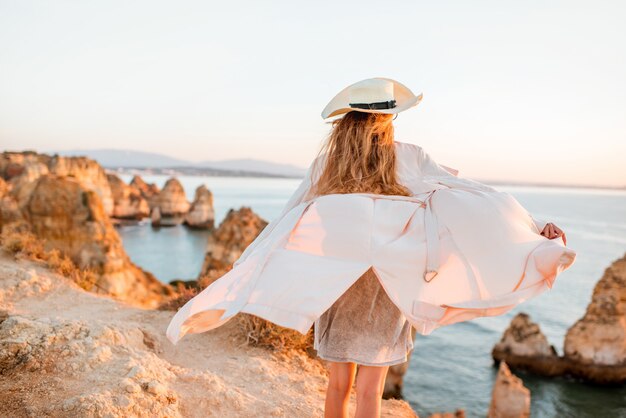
(17,239)
(182,295)
(262,333)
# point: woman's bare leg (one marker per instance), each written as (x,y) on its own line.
(370,384)
(338,392)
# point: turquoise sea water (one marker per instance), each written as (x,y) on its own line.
(452,367)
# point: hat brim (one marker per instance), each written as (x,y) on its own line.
(404,97)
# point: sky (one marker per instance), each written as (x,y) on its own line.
(529,91)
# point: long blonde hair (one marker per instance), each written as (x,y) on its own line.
(360,157)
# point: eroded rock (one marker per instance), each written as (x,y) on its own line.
(510,398)
(128,201)
(72,219)
(172,203)
(201,214)
(238,229)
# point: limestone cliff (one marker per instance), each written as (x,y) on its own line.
(72,219)
(22,168)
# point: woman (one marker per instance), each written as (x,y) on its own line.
(379,238)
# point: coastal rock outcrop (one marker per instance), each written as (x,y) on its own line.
(22,168)
(72,220)
(9,210)
(595,346)
(172,203)
(89,173)
(510,398)
(524,346)
(238,229)
(128,201)
(201,214)
(150,192)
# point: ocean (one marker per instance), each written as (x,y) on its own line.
(452,367)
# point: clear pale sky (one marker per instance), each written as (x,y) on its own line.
(513,90)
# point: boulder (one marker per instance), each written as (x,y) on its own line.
(128,201)
(201,215)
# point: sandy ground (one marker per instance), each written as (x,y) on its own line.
(65,352)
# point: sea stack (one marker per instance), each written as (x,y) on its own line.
(128,201)
(201,215)
(172,204)
(150,192)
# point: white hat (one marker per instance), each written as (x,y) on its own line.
(372,95)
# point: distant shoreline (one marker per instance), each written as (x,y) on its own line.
(205,171)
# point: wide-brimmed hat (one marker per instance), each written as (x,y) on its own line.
(372,95)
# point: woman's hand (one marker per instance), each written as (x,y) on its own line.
(551,231)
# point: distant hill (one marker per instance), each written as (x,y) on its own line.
(116,158)
(249,164)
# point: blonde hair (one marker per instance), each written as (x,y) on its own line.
(360,157)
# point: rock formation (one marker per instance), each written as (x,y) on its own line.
(22,168)
(510,398)
(201,214)
(150,192)
(71,219)
(89,173)
(172,203)
(68,353)
(128,201)
(9,210)
(595,346)
(238,229)
(523,346)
